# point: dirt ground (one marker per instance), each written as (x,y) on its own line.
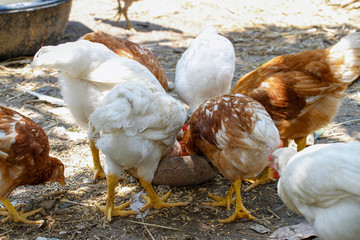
(259,30)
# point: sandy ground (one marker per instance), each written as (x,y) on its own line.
(259,30)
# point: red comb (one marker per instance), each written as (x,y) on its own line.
(276,175)
(185,127)
(184,153)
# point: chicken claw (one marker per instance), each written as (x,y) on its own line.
(154,201)
(240,210)
(267,175)
(109,210)
(12,214)
(222,202)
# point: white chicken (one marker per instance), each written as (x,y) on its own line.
(135,127)
(322,183)
(205,69)
(88,71)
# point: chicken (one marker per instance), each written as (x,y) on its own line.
(322,183)
(302,91)
(24,160)
(88,71)
(135,127)
(131,50)
(124,10)
(205,69)
(237,135)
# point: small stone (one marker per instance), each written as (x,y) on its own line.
(259,228)
(47,204)
(63,232)
(45,238)
(80,226)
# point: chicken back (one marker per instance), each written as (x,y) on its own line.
(131,50)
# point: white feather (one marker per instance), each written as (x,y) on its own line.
(137,127)
(322,183)
(205,69)
(88,71)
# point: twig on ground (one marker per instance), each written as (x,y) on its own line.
(153,225)
(42,97)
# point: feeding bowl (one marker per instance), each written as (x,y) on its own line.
(27,25)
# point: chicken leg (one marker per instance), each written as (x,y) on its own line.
(154,201)
(98,170)
(301,143)
(109,210)
(16,216)
(267,175)
(240,210)
(223,202)
(123,11)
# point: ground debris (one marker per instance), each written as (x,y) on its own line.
(294,232)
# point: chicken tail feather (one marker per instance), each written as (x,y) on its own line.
(344,58)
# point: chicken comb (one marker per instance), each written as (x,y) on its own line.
(184,153)
(185,127)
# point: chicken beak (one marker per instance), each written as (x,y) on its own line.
(62,182)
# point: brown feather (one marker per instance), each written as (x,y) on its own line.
(131,50)
(25,156)
(302,91)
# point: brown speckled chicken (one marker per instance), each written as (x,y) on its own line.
(24,160)
(130,50)
(237,135)
(302,91)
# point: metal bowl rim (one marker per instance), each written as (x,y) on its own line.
(30,6)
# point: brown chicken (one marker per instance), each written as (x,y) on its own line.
(24,160)
(130,50)
(302,91)
(237,135)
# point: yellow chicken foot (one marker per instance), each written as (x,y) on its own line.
(98,170)
(109,210)
(301,143)
(13,214)
(240,210)
(222,202)
(154,201)
(267,175)
(4,211)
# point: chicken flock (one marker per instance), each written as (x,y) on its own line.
(117,90)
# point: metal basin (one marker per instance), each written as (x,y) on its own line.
(25,26)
